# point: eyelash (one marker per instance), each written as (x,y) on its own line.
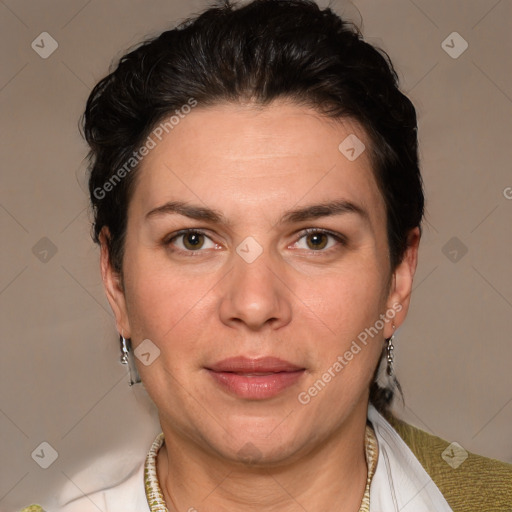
(341,239)
(303,233)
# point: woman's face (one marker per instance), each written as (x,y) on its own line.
(264,323)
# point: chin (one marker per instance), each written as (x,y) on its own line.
(263,454)
(261,441)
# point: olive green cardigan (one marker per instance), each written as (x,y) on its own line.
(479,484)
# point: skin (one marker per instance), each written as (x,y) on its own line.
(295,301)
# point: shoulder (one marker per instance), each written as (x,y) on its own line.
(126,495)
(100,489)
(467,481)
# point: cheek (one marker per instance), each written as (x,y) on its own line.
(161,300)
(342,310)
(346,299)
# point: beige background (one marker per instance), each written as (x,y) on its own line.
(60,380)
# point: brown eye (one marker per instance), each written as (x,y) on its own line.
(190,241)
(320,240)
(317,241)
(193,240)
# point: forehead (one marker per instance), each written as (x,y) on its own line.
(242,158)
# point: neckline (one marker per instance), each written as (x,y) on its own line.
(155,498)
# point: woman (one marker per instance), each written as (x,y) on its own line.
(258,203)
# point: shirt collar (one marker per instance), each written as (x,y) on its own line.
(400,482)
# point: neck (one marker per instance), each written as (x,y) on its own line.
(331,476)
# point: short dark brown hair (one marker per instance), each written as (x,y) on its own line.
(262,51)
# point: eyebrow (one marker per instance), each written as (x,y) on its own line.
(310,212)
(187,210)
(325,209)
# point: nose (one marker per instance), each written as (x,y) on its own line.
(255,294)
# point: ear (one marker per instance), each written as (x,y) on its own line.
(399,296)
(113,285)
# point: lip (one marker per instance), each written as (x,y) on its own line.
(255,378)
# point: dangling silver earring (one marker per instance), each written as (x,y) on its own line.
(389,355)
(127,358)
